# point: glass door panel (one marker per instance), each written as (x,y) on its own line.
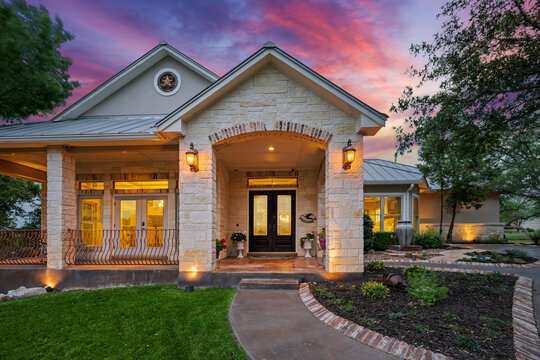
(91,221)
(128,223)
(284,212)
(154,221)
(260,215)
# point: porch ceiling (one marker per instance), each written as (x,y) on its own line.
(254,154)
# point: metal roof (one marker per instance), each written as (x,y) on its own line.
(95,125)
(387,172)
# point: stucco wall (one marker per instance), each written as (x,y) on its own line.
(140,97)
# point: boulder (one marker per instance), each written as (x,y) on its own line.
(24,292)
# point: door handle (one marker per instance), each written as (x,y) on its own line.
(142,224)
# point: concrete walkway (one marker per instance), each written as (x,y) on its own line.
(275,324)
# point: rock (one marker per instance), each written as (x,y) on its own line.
(24,292)
(3,298)
(393,280)
(409,255)
(371,251)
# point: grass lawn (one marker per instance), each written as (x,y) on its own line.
(519,237)
(145,322)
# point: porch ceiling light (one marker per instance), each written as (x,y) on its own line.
(192,158)
(348,155)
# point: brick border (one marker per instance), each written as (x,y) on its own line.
(281,126)
(500,265)
(526,337)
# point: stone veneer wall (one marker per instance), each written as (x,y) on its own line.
(269,97)
(470,232)
(223,206)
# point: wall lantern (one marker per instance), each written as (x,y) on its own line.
(348,155)
(192,158)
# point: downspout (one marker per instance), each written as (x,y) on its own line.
(409,197)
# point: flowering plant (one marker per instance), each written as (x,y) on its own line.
(322,234)
(238,236)
(220,244)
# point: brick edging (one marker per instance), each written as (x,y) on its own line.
(502,265)
(526,337)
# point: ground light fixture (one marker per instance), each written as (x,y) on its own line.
(192,158)
(348,155)
(49,289)
(189,288)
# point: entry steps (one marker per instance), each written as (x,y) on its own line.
(269,284)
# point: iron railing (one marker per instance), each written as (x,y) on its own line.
(23,247)
(121,247)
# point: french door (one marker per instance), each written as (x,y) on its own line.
(272,225)
(141,222)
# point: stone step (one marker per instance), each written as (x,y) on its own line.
(269,284)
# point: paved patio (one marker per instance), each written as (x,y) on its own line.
(271,265)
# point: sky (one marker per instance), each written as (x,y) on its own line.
(361,45)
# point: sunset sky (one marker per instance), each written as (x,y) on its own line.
(360,45)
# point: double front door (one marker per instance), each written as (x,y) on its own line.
(141,222)
(272,221)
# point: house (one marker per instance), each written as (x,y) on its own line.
(394,192)
(165,156)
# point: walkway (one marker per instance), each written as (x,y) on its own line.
(275,324)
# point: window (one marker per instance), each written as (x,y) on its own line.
(141,185)
(385,211)
(275,181)
(91,221)
(91,185)
(415,213)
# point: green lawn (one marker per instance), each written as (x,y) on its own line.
(520,237)
(145,322)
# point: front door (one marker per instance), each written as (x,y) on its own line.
(141,222)
(272,224)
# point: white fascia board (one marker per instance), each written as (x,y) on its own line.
(47,139)
(364,121)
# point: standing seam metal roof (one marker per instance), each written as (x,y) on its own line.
(386,172)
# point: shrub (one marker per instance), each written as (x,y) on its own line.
(467,342)
(430,239)
(495,276)
(382,239)
(535,236)
(520,254)
(375,265)
(531,230)
(414,270)
(374,290)
(424,288)
(368,233)
(491,239)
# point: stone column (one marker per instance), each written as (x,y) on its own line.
(344,207)
(43,206)
(197,212)
(61,203)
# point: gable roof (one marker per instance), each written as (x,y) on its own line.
(271,54)
(378,172)
(129,73)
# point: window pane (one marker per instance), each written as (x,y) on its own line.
(390,222)
(284,213)
(292,181)
(154,214)
(91,185)
(260,215)
(91,233)
(128,222)
(285,181)
(91,209)
(415,212)
(141,185)
(372,207)
(392,205)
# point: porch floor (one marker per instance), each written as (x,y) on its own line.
(251,265)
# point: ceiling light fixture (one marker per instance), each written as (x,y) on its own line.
(271,148)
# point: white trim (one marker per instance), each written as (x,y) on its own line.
(382,196)
(178,80)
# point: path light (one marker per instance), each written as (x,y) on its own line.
(348,155)
(49,289)
(192,158)
(189,288)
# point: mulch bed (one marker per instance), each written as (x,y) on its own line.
(473,301)
(497,257)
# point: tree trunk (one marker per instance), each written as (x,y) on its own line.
(451,227)
(519,228)
(442,213)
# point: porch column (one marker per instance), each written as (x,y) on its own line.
(344,207)
(43,206)
(197,215)
(61,203)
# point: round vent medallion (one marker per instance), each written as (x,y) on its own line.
(167,82)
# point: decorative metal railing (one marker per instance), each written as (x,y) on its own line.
(121,247)
(23,247)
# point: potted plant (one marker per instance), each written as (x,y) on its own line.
(307,243)
(220,245)
(239,238)
(322,239)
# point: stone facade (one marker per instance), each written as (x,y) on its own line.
(470,232)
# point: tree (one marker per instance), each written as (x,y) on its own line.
(33,74)
(515,210)
(16,197)
(486,63)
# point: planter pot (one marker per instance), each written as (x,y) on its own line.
(404,232)
(217,254)
(307,248)
(240,248)
(322,242)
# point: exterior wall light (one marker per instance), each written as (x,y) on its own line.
(348,155)
(192,158)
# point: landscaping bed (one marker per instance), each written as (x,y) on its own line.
(492,257)
(473,322)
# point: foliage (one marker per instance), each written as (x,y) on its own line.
(382,239)
(467,341)
(322,234)
(420,327)
(449,315)
(413,270)
(495,276)
(374,290)
(517,253)
(16,195)
(139,322)
(34,78)
(480,127)
(491,239)
(308,236)
(514,210)
(396,315)
(424,288)
(493,322)
(374,265)
(324,292)
(368,232)
(220,244)
(535,236)
(429,239)
(367,321)
(238,236)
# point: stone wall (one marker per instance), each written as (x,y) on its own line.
(223,206)
(470,232)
